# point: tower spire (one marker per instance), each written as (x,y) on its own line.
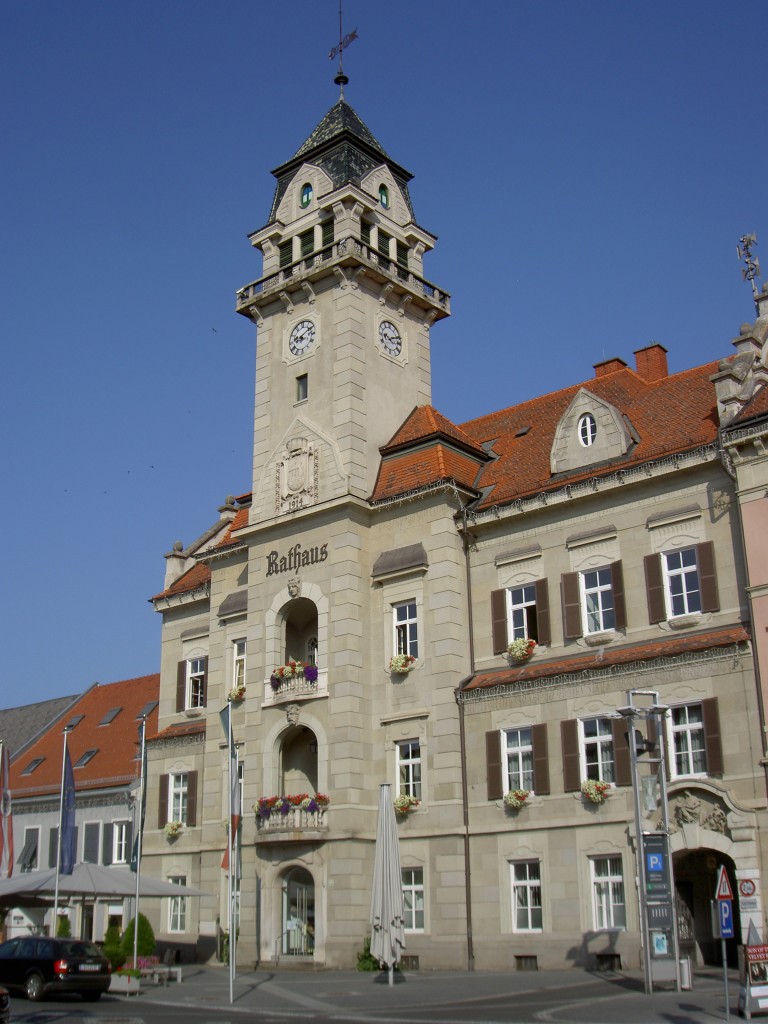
(344,40)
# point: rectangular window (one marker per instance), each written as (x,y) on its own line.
(384,240)
(286,253)
(608,893)
(409,769)
(238,663)
(597,600)
(597,753)
(521,612)
(121,842)
(177,908)
(406,629)
(526,896)
(28,858)
(302,387)
(196,672)
(365,232)
(681,582)
(91,843)
(518,759)
(593,601)
(178,792)
(307,242)
(327,233)
(413,899)
(688,740)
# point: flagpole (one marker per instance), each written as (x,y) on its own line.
(6,815)
(58,840)
(139,838)
(231,841)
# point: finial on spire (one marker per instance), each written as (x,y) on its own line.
(751,263)
(344,40)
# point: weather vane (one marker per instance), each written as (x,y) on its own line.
(751,263)
(344,41)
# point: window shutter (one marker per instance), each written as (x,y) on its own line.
(106,843)
(705,559)
(365,232)
(205,681)
(543,627)
(384,240)
(540,759)
(569,737)
(654,588)
(191,799)
(493,764)
(286,253)
(162,804)
(619,601)
(307,242)
(571,605)
(91,843)
(327,233)
(181,685)
(402,254)
(53,846)
(621,759)
(499,621)
(714,746)
(128,841)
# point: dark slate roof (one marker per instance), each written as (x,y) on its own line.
(21,726)
(343,147)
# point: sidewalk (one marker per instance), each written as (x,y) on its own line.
(558,996)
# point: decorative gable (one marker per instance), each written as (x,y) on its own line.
(590,431)
(387,197)
(291,207)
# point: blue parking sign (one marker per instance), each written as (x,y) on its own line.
(725,909)
(655,862)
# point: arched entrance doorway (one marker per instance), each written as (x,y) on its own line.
(298,913)
(696,874)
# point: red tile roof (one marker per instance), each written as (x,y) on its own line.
(608,657)
(115,743)
(424,422)
(181,729)
(756,406)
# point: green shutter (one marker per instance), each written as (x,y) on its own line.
(327,233)
(307,242)
(365,232)
(286,253)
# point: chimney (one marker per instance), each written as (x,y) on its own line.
(609,366)
(651,362)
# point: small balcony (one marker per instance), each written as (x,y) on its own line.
(283,823)
(296,687)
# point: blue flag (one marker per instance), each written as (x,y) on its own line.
(68,831)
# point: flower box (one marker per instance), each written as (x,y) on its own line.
(521,649)
(401,664)
(173,829)
(236,694)
(593,791)
(405,804)
(266,806)
(516,798)
(293,670)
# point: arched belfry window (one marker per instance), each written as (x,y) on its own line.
(587,430)
(384,196)
(306,195)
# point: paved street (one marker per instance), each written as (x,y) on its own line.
(557,997)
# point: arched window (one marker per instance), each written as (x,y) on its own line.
(306,195)
(587,430)
(384,196)
(311,658)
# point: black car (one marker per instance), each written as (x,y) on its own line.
(37,966)
(5,1006)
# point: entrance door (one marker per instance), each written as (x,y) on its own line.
(298,913)
(695,881)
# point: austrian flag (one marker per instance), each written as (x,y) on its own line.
(6,818)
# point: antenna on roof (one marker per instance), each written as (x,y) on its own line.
(344,41)
(751,263)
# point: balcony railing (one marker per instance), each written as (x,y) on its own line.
(295,820)
(296,687)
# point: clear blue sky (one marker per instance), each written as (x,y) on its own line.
(588,167)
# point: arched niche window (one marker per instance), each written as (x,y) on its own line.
(306,195)
(384,196)
(587,429)
(298,761)
(300,619)
(311,658)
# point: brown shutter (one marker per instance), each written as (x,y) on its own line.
(162,804)
(569,585)
(621,752)
(540,759)
(493,765)
(205,680)
(543,627)
(712,736)
(569,737)
(705,560)
(191,799)
(181,685)
(619,602)
(654,588)
(499,621)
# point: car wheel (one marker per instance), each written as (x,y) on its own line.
(91,997)
(34,987)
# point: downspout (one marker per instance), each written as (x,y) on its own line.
(466,537)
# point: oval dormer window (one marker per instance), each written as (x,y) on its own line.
(384,196)
(587,430)
(306,195)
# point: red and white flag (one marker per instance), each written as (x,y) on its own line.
(6,817)
(234,796)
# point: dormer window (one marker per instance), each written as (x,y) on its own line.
(306,195)
(384,196)
(587,430)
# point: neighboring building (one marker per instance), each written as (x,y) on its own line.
(601,520)
(102,744)
(21,726)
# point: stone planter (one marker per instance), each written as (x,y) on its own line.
(125,985)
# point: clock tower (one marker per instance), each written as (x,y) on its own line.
(343,313)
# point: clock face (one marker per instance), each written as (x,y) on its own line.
(302,338)
(389,338)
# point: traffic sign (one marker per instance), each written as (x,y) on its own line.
(723,890)
(747,887)
(725,910)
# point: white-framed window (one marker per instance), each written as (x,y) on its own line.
(413,899)
(121,838)
(681,582)
(517,758)
(238,663)
(178,792)
(196,682)
(597,600)
(526,896)
(521,612)
(312,646)
(688,741)
(177,907)
(409,769)
(608,903)
(597,753)
(587,429)
(406,626)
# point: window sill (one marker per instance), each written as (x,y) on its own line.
(600,639)
(685,621)
(193,712)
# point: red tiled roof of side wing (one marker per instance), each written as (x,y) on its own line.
(115,742)
(192,579)
(424,422)
(181,729)
(608,657)
(430,464)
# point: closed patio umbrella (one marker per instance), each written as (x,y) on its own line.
(387,925)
